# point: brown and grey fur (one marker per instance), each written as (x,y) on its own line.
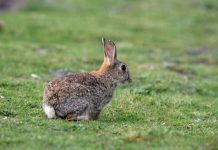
(82,96)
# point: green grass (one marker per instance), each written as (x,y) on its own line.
(171,50)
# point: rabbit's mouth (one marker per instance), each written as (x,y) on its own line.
(129,80)
(124,81)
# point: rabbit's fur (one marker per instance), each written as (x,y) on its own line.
(82,96)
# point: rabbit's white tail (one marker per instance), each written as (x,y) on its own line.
(49,111)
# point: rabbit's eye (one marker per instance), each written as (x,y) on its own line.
(123,67)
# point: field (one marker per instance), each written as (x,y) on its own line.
(171,48)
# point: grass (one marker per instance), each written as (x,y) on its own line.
(172,52)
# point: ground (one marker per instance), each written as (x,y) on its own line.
(171,48)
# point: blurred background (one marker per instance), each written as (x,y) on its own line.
(145,31)
(178,35)
(170,46)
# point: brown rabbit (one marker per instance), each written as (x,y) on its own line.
(82,96)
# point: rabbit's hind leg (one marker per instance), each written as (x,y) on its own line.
(76,110)
(82,118)
(73,117)
(84,115)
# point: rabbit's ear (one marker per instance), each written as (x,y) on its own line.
(110,53)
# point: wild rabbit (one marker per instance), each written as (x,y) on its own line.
(82,96)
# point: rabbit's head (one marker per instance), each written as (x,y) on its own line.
(113,67)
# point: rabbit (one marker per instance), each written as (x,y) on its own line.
(82,96)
